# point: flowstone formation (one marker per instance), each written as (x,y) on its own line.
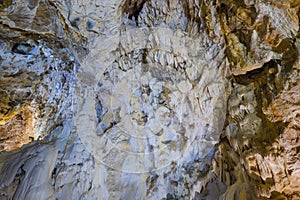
(149,99)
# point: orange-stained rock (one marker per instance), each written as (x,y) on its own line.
(18,130)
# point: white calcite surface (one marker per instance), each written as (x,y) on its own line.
(147,102)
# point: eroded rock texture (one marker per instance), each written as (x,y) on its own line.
(149,99)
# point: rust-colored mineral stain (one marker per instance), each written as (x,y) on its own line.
(17,131)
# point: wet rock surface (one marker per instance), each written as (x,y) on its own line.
(142,99)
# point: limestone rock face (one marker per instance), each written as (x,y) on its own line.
(149,99)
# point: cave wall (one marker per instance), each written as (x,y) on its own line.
(149,99)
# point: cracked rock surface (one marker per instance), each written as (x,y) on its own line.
(149,99)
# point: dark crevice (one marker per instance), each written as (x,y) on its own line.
(133,8)
(75,23)
(99,110)
(268,82)
(196,14)
(5,4)
(23,48)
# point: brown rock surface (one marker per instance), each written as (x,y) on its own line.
(18,130)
